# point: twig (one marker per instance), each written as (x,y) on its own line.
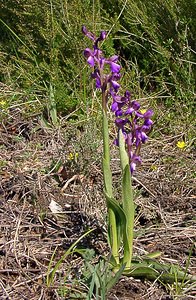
(138,181)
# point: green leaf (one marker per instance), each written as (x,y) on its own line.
(128,208)
(151,269)
(115,206)
(107,175)
(153,254)
(120,219)
(127,202)
(143,272)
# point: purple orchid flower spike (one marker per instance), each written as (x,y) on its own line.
(96,60)
(134,124)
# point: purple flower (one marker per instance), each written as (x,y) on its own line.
(134,161)
(95,59)
(147,125)
(96,75)
(134,106)
(91,35)
(134,123)
(113,81)
(140,137)
(147,115)
(120,123)
(114,84)
(93,56)
(119,102)
(89,54)
(115,68)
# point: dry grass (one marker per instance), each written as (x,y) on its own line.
(30,233)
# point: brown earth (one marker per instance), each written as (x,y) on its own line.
(36,168)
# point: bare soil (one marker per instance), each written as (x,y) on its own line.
(30,232)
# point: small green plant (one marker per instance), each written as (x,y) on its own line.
(100,278)
(181,286)
(52,270)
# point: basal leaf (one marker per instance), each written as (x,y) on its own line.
(107,174)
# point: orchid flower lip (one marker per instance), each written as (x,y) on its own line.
(102,36)
(149,113)
(129,111)
(135,105)
(98,83)
(135,160)
(114,106)
(115,68)
(88,52)
(127,94)
(118,113)
(91,61)
(115,85)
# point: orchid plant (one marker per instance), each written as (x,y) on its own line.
(133,124)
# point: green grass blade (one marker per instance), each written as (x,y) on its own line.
(68,252)
(115,279)
(48,279)
(16,36)
(91,288)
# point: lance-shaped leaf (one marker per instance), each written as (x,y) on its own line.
(120,218)
(127,202)
(152,270)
